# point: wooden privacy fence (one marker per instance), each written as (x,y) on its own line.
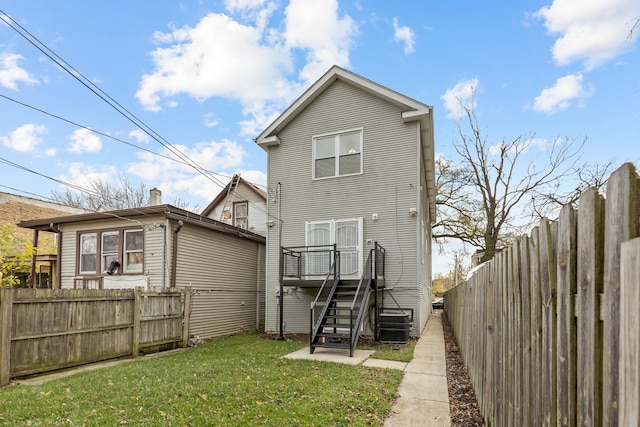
(549,330)
(43,330)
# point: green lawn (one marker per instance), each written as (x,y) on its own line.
(234,381)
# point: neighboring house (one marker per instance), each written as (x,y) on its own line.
(350,163)
(242,204)
(164,247)
(15,208)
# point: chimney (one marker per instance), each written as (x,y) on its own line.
(155,197)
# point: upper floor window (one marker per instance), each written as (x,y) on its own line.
(98,249)
(337,154)
(240,214)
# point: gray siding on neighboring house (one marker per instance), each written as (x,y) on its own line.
(389,186)
(226,277)
(152,245)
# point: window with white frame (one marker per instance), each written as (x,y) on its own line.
(109,249)
(88,253)
(133,251)
(241,214)
(337,154)
(98,249)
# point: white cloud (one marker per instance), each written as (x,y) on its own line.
(215,58)
(258,11)
(212,156)
(83,175)
(248,61)
(11,73)
(459,97)
(210,120)
(139,135)
(317,28)
(243,5)
(590,31)
(567,90)
(404,35)
(84,141)
(25,138)
(50,152)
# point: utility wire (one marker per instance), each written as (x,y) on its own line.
(106,135)
(33,40)
(76,74)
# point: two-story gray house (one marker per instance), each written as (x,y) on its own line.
(350,207)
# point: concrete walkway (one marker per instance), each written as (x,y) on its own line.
(423,394)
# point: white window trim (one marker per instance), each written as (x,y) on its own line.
(125,252)
(95,236)
(236,217)
(104,265)
(337,153)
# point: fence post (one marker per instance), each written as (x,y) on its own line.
(186,315)
(6,305)
(135,335)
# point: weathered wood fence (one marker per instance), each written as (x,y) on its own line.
(550,328)
(43,330)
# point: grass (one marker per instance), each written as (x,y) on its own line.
(398,352)
(234,381)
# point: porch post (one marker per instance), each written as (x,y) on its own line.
(32,279)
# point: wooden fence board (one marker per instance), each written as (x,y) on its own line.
(517,334)
(526,329)
(54,329)
(547,289)
(536,329)
(629,334)
(560,343)
(566,323)
(621,224)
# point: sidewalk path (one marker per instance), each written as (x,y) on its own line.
(423,394)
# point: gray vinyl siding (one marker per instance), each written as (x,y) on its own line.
(388,186)
(224,273)
(152,245)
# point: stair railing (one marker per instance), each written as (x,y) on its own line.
(361,296)
(334,271)
(378,283)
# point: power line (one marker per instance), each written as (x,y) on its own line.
(76,74)
(106,135)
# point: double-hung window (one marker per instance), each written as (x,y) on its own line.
(109,249)
(98,249)
(133,251)
(240,214)
(88,253)
(337,154)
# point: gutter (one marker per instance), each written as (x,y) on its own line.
(174,254)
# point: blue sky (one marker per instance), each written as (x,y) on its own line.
(208,76)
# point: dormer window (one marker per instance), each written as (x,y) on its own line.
(337,154)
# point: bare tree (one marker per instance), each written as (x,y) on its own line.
(106,195)
(549,202)
(481,197)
